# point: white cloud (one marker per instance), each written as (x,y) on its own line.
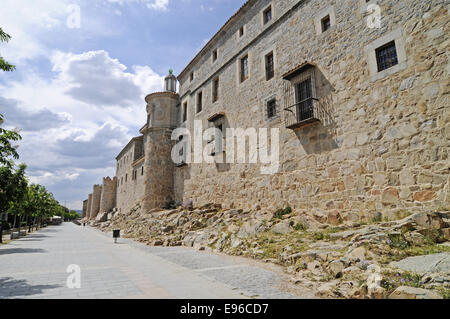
(159,5)
(76,122)
(34,16)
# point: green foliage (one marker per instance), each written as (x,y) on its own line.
(421,251)
(281,212)
(7,150)
(13,186)
(5,66)
(397,241)
(300,227)
(445,292)
(392,280)
(25,202)
(318,236)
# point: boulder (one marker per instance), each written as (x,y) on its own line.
(433,263)
(376,292)
(101,217)
(406,292)
(335,268)
(334,218)
(250,228)
(282,228)
(359,253)
(415,238)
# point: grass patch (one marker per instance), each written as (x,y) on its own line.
(272,245)
(445,292)
(392,280)
(421,251)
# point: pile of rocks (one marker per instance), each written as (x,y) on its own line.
(337,260)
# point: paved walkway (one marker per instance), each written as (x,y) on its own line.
(35,267)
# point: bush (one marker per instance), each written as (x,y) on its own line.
(281,212)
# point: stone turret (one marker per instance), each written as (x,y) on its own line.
(95,206)
(89,206)
(170,82)
(108,195)
(158,165)
(83,214)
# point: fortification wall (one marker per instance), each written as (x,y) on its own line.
(382,142)
(84,211)
(108,195)
(96,196)
(89,206)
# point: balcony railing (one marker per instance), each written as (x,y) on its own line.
(301,113)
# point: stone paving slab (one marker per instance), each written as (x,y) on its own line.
(35,267)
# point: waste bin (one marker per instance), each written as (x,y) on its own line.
(116,234)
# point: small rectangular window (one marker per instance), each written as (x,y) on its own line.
(185,105)
(199,102)
(214,55)
(241,31)
(326,23)
(142,171)
(271,108)
(215,92)
(244,68)
(269,66)
(386,56)
(192,76)
(267,15)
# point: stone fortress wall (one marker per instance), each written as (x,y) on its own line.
(381,142)
(382,145)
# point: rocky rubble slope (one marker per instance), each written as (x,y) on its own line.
(352,260)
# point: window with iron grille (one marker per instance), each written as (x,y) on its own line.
(199,102)
(386,56)
(305,109)
(326,23)
(185,112)
(269,66)
(267,15)
(215,92)
(271,108)
(244,68)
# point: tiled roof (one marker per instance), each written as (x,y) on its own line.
(298,69)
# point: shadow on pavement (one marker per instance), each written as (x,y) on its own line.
(10,288)
(36,236)
(50,230)
(8,251)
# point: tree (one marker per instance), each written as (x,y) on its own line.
(7,150)
(5,66)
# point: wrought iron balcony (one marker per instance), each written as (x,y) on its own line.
(302,113)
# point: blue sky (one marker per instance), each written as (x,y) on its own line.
(77,94)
